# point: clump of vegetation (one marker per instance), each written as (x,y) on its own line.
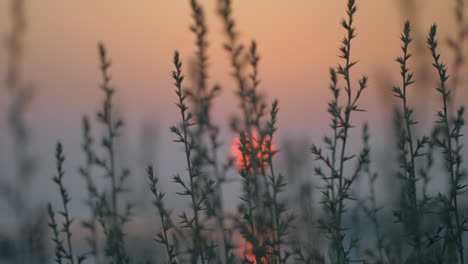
(338,181)
(27,242)
(110,216)
(427,226)
(449,141)
(165,217)
(63,248)
(107,216)
(414,199)
(194,186)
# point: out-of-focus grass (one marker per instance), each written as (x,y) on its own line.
(267,225)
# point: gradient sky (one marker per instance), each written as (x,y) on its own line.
(298,42)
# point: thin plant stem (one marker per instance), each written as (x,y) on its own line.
(447,142)
(187,140)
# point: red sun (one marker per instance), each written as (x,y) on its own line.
(246,250)
(262,150)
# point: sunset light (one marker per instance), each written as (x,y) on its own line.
(253,146)
(233,132)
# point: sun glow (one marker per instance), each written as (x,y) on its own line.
(252,154)
(260,148)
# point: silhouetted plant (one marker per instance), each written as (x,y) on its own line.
(457,42)
(410,148)
(261,223)
(63,251)
(198,193)
(370,207)
(109,215)
(280,223)
(205,234)
(249,224)
(236,54)
(93,195)
(27,243)
(448,141)
(337,183)
(206,135)
(165,217)
(56,235)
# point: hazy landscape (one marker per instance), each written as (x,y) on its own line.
(233,131)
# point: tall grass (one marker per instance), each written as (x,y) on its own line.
(165,217)
(194,186)
(27,242)
(449,142)
(410,148)
(63,247)
(110,215)
(338,181)
(426,226)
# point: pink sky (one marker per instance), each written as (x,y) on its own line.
(298,42)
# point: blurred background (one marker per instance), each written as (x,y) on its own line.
(49,53)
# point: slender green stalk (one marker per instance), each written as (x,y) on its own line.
(407,80)
(58,179)
(107,118)
(207,134)
(333,110)
(409,150)
(165,217)
(370,206)
(14,45)
(235,50)
(20,99)
(351,105)
(93,194)
(276,182)
(280,224)
(446,143)
(199,28)
(197,196)
(249,227)
(251,103)
(61,252)
(337,185)
(258,210)
(115,248)
(457,44)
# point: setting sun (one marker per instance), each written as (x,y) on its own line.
(253,146)
(151,132)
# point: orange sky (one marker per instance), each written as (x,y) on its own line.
(298,42)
